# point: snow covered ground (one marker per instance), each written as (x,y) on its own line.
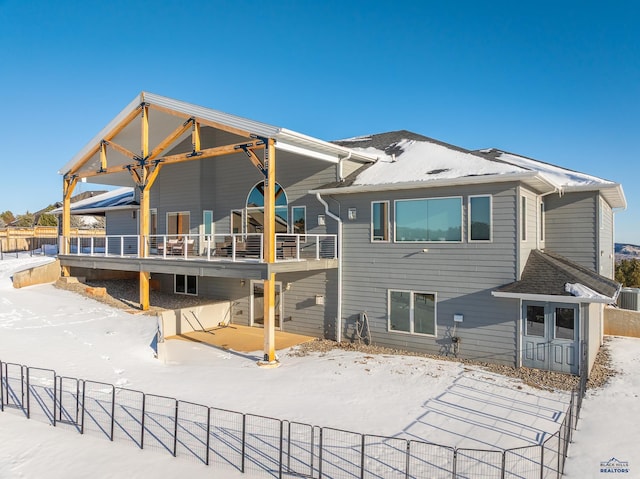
(437,401)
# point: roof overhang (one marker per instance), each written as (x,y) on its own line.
(532,179)
(552,298)
(612,193)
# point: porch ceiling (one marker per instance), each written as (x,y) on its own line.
(171,123)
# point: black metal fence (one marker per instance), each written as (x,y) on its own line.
(264,445)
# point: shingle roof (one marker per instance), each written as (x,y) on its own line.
(547,273)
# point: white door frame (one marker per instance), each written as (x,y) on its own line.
(279,291)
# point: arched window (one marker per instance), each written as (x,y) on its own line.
(255,209)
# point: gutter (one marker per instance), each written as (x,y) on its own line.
(552,298)
(467,180)
(339,309)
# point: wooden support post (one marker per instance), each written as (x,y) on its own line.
(269,241)
(144,209)
(68,185)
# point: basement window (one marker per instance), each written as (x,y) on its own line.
(185,284)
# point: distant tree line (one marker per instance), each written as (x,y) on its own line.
(628,273)
(43,218)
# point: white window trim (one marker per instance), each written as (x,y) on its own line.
(411,310)
(204,224)
(175,276)
(490,240)
(388,240)
(462,232)
(291,226)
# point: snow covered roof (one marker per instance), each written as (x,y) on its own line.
(120,198)
(567,180)
(548,275)
(409,160)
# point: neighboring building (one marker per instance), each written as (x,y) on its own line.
(427,246)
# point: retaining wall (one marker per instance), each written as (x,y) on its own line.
(621,322)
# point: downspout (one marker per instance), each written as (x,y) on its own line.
(339,309)
(339,172)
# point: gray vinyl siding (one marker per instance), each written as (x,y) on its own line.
(121,222)
(462,275)
(301,313)
(177,190)
(571,227)
(606,257)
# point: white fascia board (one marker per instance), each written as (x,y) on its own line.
(135,103)
(612,192)
(298,150)
(91,211)
(551,298)
(321,147)
(466,180)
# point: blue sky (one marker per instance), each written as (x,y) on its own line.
(557,81)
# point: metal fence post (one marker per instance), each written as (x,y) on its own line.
(504,463)
(82,415)
(362,443)
(208,435)
(244,440)
(175,431)
(113,409)
(320,456)
(542,461)
(455,464)
(55,397)
(28,392)
(281,446)
(144,403)
(1,381)
(408,460)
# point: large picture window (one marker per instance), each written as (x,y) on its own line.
(434,219)
(412,312)
(480,218)
(380,221)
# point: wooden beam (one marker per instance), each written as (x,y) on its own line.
(202,121)
(207,153)
(117,129)
(121,149)
(195,137)
(103,156)
(173,136)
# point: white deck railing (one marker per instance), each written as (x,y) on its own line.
(219,247)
